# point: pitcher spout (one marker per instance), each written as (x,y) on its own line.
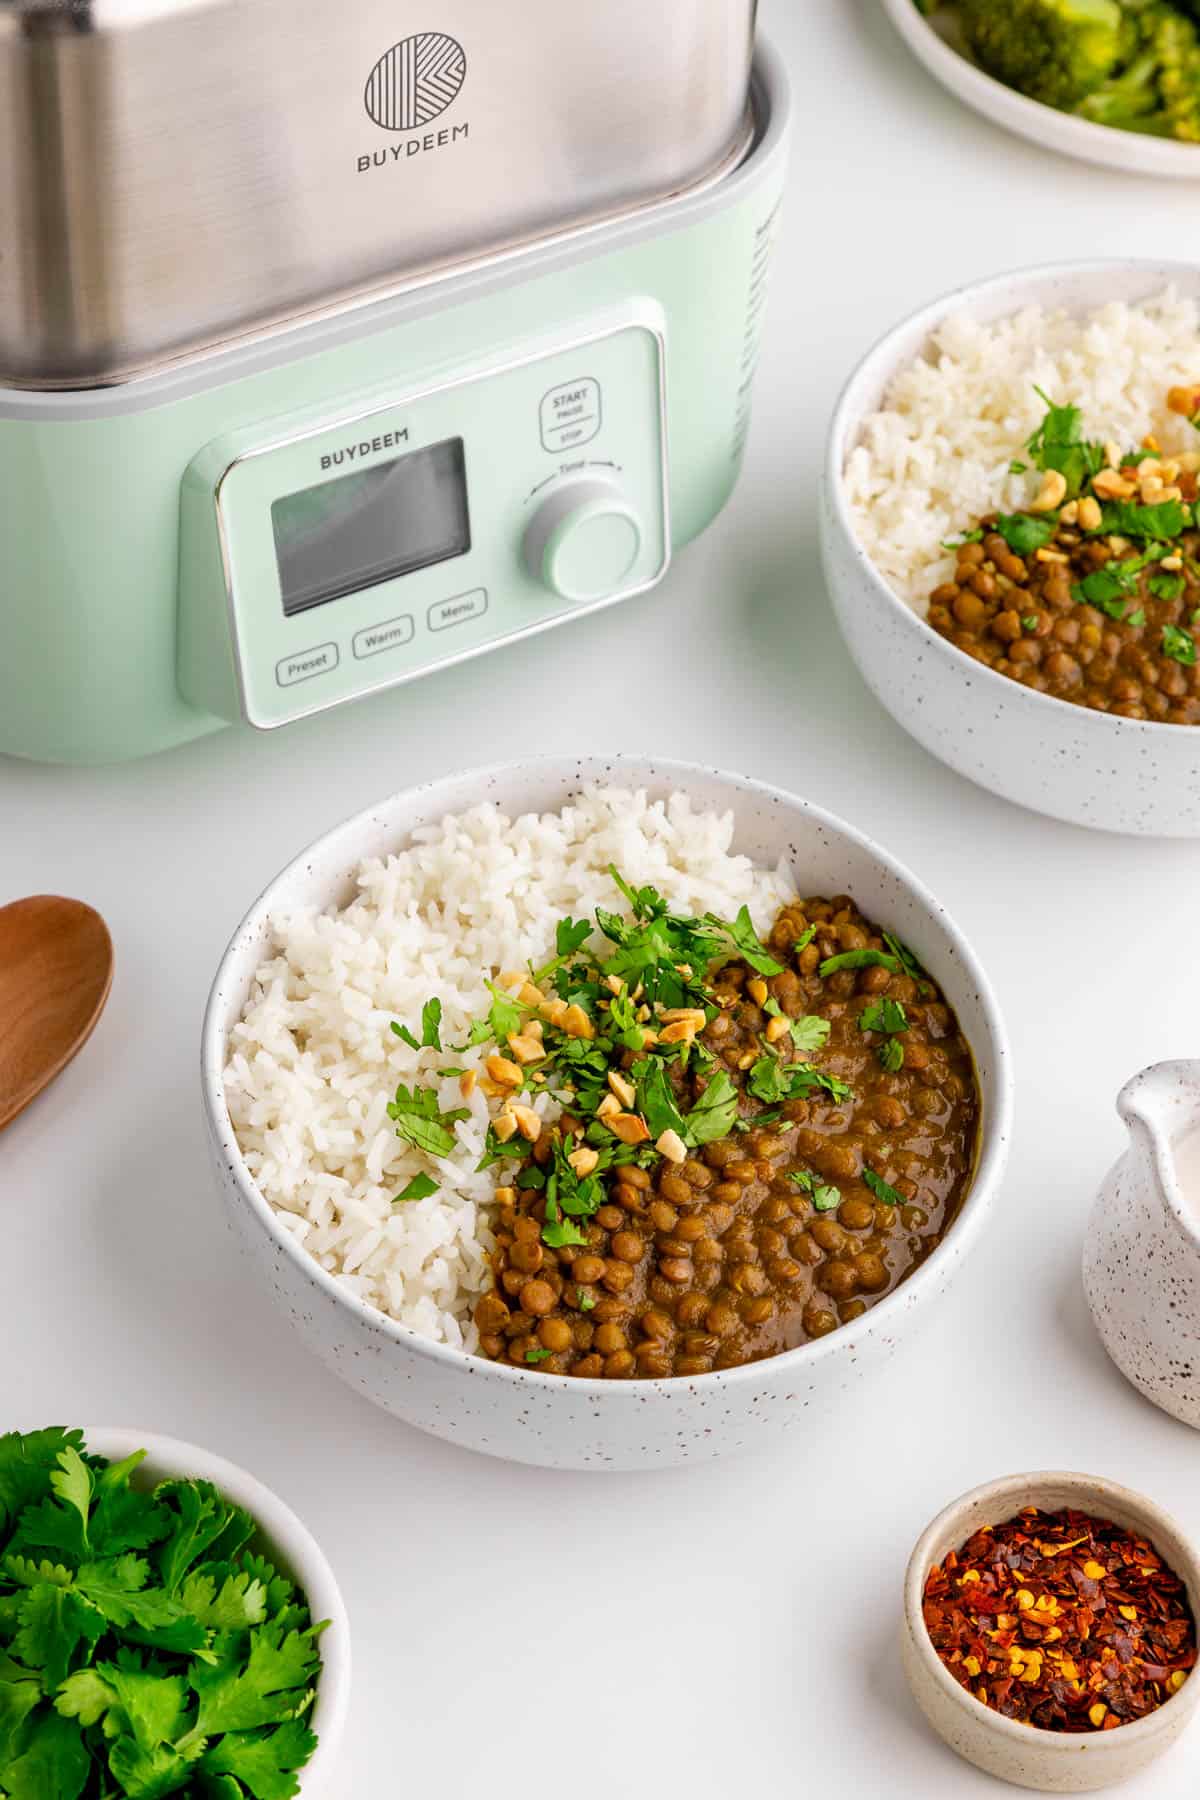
(1160,1103)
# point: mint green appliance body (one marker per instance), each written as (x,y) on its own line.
(138,615)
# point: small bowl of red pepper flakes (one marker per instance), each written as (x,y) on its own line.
(1050,1630)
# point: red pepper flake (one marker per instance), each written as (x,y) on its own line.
(1061,1621)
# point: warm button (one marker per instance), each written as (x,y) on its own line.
(583,540)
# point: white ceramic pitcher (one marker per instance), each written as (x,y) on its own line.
(1141,1261)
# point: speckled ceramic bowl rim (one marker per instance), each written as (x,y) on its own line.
(1005,1498)
(297,1549)
(877,367)
(1183,1215)
(1060,132)
(994,1138)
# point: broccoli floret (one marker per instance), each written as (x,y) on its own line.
(1159,91)
(1056,51)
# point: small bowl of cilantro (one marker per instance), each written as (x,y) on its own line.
(167,1626)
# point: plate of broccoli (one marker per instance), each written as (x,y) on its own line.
(1115,82)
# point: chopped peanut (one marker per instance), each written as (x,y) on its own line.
(1185,400)
(576,1023)
(530,995)
(502,1071)
(631,1128)
(528,1123)
(609,1107)
(505,1126)
(1052,492)
(672,1146)
(466,1083)
(1110,484)
(583,1160)
(525,1049)
(757,990)
(1090,514)
(624,1090)
(776,1029)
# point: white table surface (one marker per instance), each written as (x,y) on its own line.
(720,1629)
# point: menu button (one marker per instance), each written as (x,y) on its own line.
(457,611)
(305,664)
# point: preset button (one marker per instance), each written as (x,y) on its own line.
(306,664)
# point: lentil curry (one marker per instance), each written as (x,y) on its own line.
(757,1142)
(1093,594)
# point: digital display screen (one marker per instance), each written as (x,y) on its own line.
(358,530)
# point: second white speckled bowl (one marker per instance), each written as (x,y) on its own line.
(1055,1762)
(524,1414)
(1126,775)
(291,1547)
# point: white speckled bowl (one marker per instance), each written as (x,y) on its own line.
(290,1544)
(1131,152)
(523,1414)
(1141,1252)
(1055,1762)
(1125,775)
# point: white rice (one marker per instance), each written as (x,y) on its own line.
(313,1062)
(936,456)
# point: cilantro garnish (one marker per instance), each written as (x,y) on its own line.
(656,1102)
(748,945)
(1108,589)
(1024,533)
(861,959)
(559,1233)
(891,1055)
(1127,518)
(770,1080)
(584,1300)
(808,1033)
(419,1188)
(1179,645)
(1029,621)
(145,1650)
(1058,444)
(1137,617)
(536,1356)
(823,1196)
(968,537)
(431,1028)
(881,1189)
(1166,586)
(1017,468)
(883,1015)
(420,1121)
(804,940)
(713,1115)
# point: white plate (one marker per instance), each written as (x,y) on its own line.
(1128,151)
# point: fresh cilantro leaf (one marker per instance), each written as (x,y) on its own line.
(907,959)
(1017,468)
(808,1033)
(883,1015)
(54,1622)
(571,935)
(1024,533)
(585,1301)
(804,940)
(767,1080)
(1179,645)
(1127,518)
(1137,617)
(233,1697)
(860,959)
(825,1198)
(558,1235)
(26,1459)
(420,1121)
(881,1190)
(431,1024)
(536,1355)
(1058,444)
(891,1055)
(497,1150)
(770,1080)
(405,1035)
(264,1762)
(147,1774)
(749,946)
(1166,585)
(655,1101)
(713,1115)
(1029,621)
(419,1188)
(54,1763)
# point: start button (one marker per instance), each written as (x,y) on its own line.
(571,414)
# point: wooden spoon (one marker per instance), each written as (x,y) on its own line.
(56,963)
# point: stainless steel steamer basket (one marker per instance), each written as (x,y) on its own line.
(177,172)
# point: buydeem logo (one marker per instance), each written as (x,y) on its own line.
(415,81)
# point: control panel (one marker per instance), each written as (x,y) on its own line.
(326,558)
